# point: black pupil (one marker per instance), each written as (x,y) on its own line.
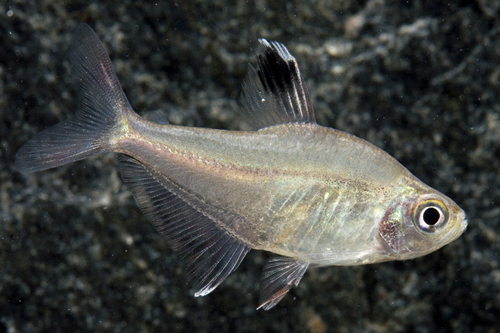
(431,216)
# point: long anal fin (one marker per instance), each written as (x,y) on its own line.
(275,92)
(211,253)
(279,275)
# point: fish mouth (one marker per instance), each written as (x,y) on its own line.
(459,227)
(462,219)
(465,223)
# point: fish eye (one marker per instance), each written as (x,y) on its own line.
(430,215)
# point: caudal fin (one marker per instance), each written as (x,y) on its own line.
(101,103)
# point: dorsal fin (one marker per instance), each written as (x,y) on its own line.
(275,92)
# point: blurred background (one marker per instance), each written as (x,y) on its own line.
(419,79)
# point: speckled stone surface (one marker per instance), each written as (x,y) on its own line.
(419,79)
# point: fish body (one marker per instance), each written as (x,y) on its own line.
(311,195)
(310,199)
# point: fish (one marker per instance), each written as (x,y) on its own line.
(310,195)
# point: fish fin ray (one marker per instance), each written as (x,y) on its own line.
(279,275)
(211,253)
(101,101)
(275,92)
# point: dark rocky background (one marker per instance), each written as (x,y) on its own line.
(418,78)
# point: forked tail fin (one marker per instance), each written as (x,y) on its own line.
(102,102)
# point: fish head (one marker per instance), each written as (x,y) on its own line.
(421,224)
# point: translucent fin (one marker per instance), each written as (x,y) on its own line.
(275,93)
(101,100)
(279,275)
(211,252)
(156,116)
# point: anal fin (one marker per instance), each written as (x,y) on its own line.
(211,253)
(279,275)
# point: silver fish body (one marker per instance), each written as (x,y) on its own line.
(310,197)
(309,194)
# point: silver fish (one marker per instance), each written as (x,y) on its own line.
(311,195)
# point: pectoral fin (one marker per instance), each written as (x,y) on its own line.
(279,275)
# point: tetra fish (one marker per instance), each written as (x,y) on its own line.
(311,195)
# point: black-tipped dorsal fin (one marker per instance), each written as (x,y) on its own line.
(187,223)
(275,92)
(279,275)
